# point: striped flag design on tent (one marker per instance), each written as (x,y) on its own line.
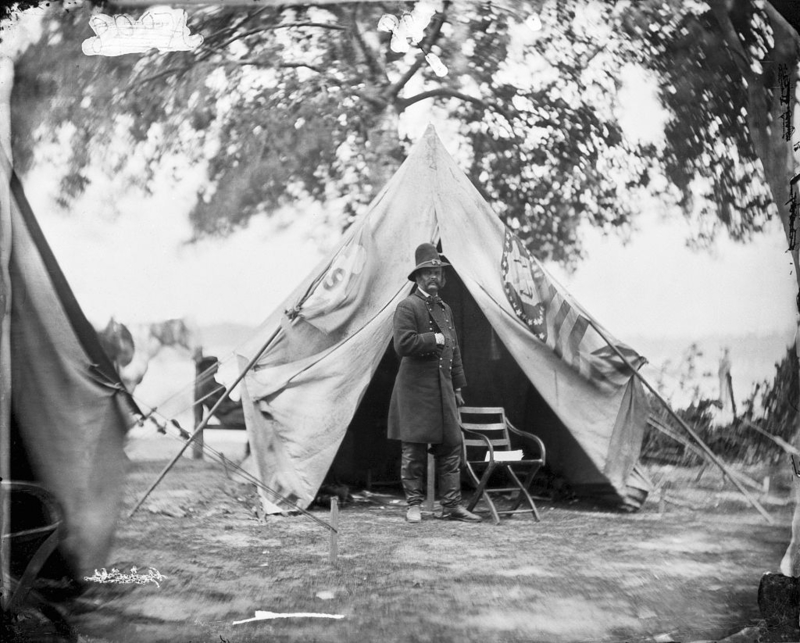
(556,319)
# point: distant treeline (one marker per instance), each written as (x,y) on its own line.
(772,407)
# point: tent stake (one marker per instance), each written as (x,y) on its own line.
(334,552)
(203,424)
(689,430)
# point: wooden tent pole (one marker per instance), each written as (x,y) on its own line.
(203,424)
(712,456)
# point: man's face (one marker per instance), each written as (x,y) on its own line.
(431,280)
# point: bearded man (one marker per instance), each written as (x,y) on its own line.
(427,392)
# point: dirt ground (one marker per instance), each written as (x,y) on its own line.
(671,572)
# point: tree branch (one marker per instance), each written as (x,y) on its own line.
(778,19)
(260,30)
(166,72)
(263,63)
(233,28)
(446,92)
(376,70)
(218,49)
(425,46)
(731,38)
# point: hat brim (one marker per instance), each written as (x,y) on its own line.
(433,263)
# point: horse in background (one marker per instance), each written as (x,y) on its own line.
(146,341)
(117,342)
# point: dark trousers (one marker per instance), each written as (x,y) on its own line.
(448,472)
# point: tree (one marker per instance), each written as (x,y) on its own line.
(281,103)
(719,67)
(728,72)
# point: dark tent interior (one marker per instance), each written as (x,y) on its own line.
(367,457)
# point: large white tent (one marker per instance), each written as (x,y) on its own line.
(322,382)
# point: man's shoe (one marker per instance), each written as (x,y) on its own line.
(459,513)
(414,514)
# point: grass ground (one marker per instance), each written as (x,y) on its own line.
(683,572)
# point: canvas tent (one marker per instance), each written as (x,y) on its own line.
(64,422)
(323,382)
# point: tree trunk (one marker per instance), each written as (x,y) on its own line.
(766,118)
(777,156)
(6,83)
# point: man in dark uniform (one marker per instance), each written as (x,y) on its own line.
(427,391)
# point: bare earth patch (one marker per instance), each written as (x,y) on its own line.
(581,574)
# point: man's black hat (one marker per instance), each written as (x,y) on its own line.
(426,256)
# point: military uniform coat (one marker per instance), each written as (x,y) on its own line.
(423,406)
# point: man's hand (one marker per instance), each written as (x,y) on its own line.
(459,398)
(439,339)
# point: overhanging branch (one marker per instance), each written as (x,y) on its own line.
(377,72)
(272,64)
(446,92)
(425,46)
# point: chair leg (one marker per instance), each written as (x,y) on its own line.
(527,484)
(492,508)
(481,486)
(523,489)
(481,492)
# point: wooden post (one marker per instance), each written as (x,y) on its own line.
(662,501)
(334,552)
(431,497)
(197,444)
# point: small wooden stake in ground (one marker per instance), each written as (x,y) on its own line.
(429,500)
(335,531)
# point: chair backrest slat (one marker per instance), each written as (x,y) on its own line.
(486,420)
(472,426)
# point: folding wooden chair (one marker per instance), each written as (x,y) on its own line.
(487,452)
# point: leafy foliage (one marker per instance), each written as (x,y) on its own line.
(773,405)
(709,156)
(282,103)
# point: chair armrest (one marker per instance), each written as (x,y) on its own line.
(529,436)
(482,437)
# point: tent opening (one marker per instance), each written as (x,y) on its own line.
(366,457)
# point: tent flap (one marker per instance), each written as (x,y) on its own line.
(65,408)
